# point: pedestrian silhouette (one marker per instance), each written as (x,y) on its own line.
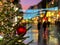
(44,38)
(39,31)
(58,30)
(44,25)
(48,23)
(39,24)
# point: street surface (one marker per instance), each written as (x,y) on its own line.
(33,33)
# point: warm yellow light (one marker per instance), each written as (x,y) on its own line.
(57,16)
(48,14)
(52,13)
(33,18)
(41,15)
(49,19)
(43,20)
(16,8)
(19,17)
(23,21)
(1,3)
(35,22)
(26,20)
(37,17)
(19,40)
(52,2)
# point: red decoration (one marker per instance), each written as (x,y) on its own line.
(21,30)
(45,18)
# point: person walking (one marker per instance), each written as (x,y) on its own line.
(58,30)
(44,26)
(39,24)
(39,31)
(45,32)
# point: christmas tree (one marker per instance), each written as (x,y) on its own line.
(12,27)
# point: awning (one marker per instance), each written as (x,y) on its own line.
(28,14)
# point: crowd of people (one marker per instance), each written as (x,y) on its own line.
(45,25)
(57,24)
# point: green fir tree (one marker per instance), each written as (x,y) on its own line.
(8,24)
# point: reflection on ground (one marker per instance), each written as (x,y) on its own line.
(33,33)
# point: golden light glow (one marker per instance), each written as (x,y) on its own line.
(57,16)
(33,18)
(49,19)
(37,17)
(35,22)
(1,3)
(43,20)
(52,13)
(16,8)
(41,15)
(23,21)
(19,17)
(2,23)
(48,14)
(26,20)
(19,40)
(52,2)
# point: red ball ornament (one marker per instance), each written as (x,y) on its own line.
(21,30)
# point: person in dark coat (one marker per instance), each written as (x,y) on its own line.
(58,31)
(39,24)
(44,26)
(48,23)
(39,31)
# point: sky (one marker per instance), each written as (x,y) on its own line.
(36,12)
(27,3)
